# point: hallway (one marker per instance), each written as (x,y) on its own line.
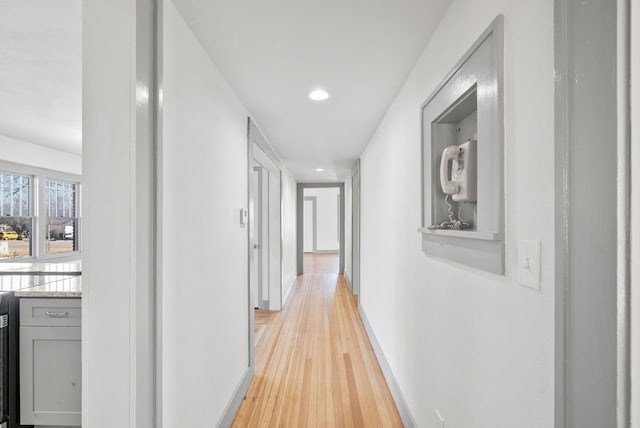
(314,364)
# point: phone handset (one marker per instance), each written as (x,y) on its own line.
(451,153)
(459,162)
(463,183)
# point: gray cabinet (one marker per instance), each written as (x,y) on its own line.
(50,362)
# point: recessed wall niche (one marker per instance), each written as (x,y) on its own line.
(462,159)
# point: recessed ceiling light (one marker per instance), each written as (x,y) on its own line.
(319,95)
(319,169)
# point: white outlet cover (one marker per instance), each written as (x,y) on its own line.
(529,263)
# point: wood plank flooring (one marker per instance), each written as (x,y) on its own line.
(263,322)
(321,263)
(314,363)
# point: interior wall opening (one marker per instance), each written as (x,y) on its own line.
(321,216)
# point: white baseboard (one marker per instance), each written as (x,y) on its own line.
(396,393)
(287,295)
(346,277)
(236,400)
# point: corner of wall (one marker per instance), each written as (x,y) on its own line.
(396,392)
(239,395)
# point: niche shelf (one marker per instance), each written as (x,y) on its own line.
(467,105)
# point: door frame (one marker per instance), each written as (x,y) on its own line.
(594,389)
(356,207)
(300,224)
(255,136)
(634,49)
(314,226)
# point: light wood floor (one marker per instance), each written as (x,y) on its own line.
(263,322)
(314,363)
(321,263)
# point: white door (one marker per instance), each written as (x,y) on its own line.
(254,237)
(263,245)
(309,222)
(259,238)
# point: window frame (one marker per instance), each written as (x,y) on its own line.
(38,178)
(46,217)
(30,214)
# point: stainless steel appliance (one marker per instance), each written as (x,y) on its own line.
(4,369)
(9,396)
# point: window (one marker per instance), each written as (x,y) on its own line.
(39,213)
(61,202)
(16,222)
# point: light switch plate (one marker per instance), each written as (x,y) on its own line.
(529,264)
(244,215)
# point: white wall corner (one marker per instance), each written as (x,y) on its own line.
(396,392)
(239,395)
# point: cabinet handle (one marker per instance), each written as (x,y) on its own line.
(57,314)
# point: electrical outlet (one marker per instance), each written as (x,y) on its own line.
(439,421)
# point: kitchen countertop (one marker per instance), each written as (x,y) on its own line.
(42,279)
(73,267)
(56,287)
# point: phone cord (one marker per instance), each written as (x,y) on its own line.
(449,208)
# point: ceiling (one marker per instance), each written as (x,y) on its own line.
(273,53)
(41,72)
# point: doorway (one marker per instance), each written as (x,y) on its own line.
(265,223)
(259,237)
(320,224)
(264,244)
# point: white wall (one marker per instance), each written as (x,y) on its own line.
(477,346)
(205,283)
(328,220)
(23,152)
(289,231)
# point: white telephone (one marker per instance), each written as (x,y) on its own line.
(459,163)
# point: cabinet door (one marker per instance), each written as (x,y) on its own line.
(50,376)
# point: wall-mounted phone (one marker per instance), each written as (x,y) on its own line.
(458,179)
(462,165)
(458,171)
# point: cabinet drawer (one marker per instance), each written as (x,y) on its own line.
(50,312)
